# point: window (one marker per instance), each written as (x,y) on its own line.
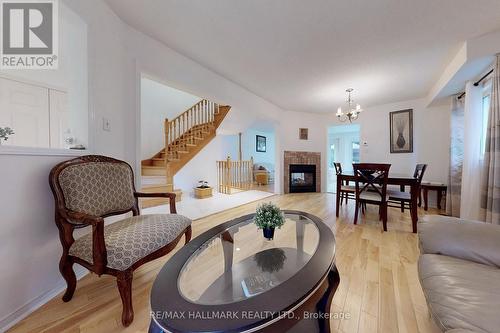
(332,154)
(355,152)
(486,101)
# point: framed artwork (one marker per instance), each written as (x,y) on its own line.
(303,133)
(401,131)
(260,143)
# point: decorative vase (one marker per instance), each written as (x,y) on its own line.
(268,233)
(400,142)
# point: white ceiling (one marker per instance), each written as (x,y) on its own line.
(302,55)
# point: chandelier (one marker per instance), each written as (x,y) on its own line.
(353,111)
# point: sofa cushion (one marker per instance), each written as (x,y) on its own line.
(474,241)
(462,295)
(131,239)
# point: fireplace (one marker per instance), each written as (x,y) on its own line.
(306,166)
(302,178)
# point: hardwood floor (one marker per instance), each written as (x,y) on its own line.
(379,287)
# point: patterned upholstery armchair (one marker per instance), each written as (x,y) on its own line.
(88,189)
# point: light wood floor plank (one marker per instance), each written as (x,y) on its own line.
(379,283)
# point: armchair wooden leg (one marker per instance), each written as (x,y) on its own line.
(124,282)
(188,234)
(66,269)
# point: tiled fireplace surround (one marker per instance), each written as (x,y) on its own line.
(301,157)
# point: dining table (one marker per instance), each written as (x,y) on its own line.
(401,179)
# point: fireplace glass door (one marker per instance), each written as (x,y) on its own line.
(302,178)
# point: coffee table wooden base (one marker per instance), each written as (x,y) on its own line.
(313,315)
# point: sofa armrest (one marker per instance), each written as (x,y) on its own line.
(468,240)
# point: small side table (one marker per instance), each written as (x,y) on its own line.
(262,178)
(440,188)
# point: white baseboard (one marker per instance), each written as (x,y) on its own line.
(25,310)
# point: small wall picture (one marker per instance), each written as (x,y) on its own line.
(260,144)
(401,131)
(303,133)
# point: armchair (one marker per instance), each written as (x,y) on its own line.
(88,189)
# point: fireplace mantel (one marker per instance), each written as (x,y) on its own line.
(301,157)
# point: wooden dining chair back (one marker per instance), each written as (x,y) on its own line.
(346,191)
(419,172)
(338,168)
(371,187)
(401,198)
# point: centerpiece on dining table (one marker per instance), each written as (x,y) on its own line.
(268,217)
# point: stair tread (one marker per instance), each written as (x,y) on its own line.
(152,167)
(150,186)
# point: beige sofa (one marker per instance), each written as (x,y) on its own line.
(459,270)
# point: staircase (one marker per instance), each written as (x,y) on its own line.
(185,136)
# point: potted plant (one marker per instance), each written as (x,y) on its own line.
(203,184)
(5,132)
(268,217)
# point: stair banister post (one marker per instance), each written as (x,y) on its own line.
(229,176)
(167,132)
(250,171)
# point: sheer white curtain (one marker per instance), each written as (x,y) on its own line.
(491,183)
(456,157)
(470,202)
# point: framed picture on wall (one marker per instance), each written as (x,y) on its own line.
(260,143)
(303,133)
(401,131)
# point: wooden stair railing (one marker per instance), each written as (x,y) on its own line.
(188,128)
(184,137)
(234,175)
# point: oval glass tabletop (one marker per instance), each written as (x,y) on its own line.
(240,263)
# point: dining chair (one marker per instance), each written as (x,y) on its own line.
(346,190)
(371,188)
(401,198)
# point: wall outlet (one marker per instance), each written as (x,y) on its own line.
(106,124)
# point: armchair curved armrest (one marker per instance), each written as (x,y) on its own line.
(99,254)
(170,196)
(80,218)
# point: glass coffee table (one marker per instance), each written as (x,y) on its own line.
(232,279)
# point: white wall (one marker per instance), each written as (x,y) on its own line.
(159,101)
(431,133)
(203,166)
(72,73)
(229,146)
(248,147)
(30,242)
(287,139)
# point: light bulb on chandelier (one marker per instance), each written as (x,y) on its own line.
(352,111)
